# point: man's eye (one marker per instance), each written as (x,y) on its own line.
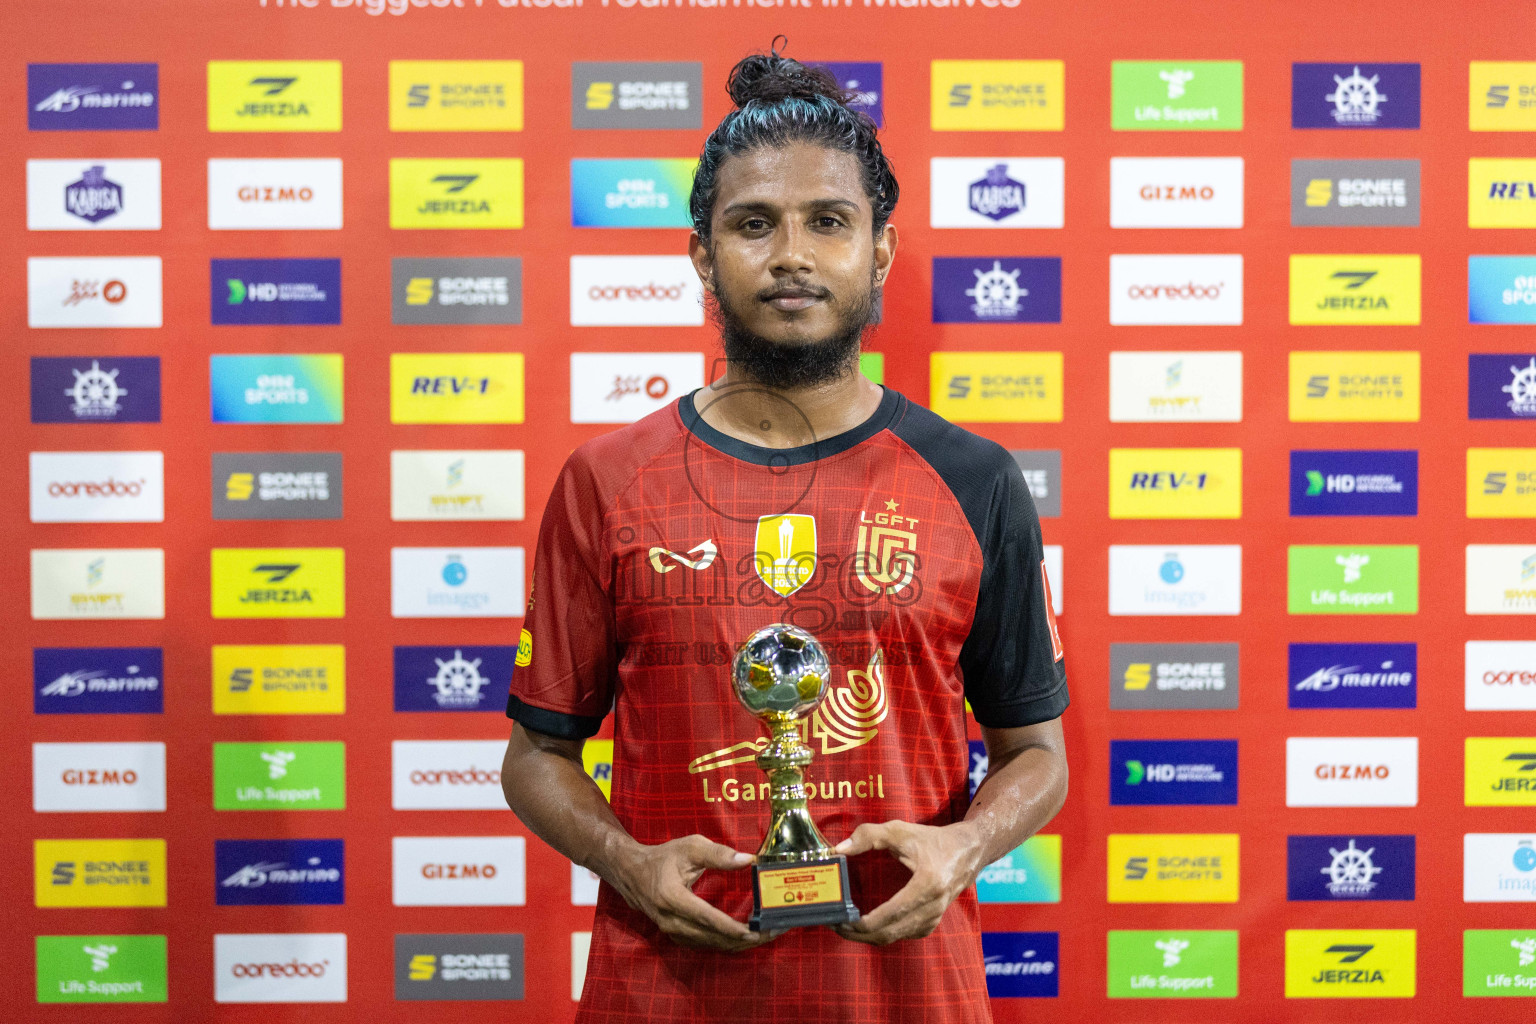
(829,222)
(754,224)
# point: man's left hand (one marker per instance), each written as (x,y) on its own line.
(943,862)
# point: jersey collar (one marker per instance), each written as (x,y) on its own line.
(883,416)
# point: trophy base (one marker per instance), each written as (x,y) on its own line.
(801,895)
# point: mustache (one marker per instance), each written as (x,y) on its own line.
(794,290)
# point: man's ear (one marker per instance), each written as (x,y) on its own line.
(885,253)
(703,261)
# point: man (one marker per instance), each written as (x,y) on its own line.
(792,489)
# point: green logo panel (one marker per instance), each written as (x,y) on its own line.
(1173,965)
(101,969)
(279,776)
(1498,963)
(1177,96)
(1362,579)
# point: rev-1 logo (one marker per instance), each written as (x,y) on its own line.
(450,385)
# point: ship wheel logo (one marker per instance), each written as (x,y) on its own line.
(1355,98)
(458,682)
(996,293)
(1352,873)
(96,392)
(1522,389)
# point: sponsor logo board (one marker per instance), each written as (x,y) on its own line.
(279,776)
(1355,193)
(455,192)
(1180,96)
(1501,193)
(98,583)
(97,680)
(1501,290)
(1353,675)
(427,485)
(1042,472)
(1498,867)
(98,872)
(640,94)
(1354,95)
(1355,290)
(93,195)
(286,967)
(274,96)
(95,389)
(458,678)
(997,290)
(1354,387)
(1354,483)
(463,582)
(996,192)
(1500,771)
(1175,387)
(456,775)
(997,95)
(458,967)
(1172,965)
(635,291)
(279,679)
(1360,771)
(1021,965)
(93,291)
(456,290)
(1501,96)
(1501,483)
(274,194)
(93,97)
(97,487)
(1172,772)
(1350,964)
(1175,483)
(278,583)
(1346,868)
(276,388)
(621,387)
(1174,677)
(100,968)
(283,291)
(996,387)
(1173,868)
(1498,962)
(1187,579)
(471,387)
(1501,579)
(649,193)
(455,95)
(1501,675)
(279,872)
(1205,290)
(98,777)
(277,485)
(1176,192)
(459,871)
(862,78)
(1029,873)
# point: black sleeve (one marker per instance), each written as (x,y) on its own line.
(1012,661)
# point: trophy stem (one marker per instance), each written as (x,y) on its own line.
(792,835)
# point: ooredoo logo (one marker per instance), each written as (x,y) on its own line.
(97,487)
(280,968)
(1501,675)
(653,291)
(1192,290)
(448,775)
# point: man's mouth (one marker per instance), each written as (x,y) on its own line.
(788,299)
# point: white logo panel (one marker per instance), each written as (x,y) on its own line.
(93,195)
(98,776)
(1501,675)
(460,871)
(621,387)
(1501,579)
(1354,771)
(1176,192)
(1498,867)
(98,583)
(280,968)
(459,583)
(97,487)
(448,775)
(93,291)
(434,486)
(996,192)
(1178,290)
(1175,387)
(635,291)
(1182,579)
(274,194)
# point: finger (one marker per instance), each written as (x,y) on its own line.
(910,898)
(687,933)
(866,837)
(684,905)
(708,854)
(920,923)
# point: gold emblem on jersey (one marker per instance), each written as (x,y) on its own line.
(885,558)
(784,553)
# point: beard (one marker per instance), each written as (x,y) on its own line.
(786,366)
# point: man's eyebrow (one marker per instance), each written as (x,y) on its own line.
(763,206)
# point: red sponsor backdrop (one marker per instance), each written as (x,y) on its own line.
(183,35)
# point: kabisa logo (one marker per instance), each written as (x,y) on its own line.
(996,387)
(459,967)
(997,95)
(101,969)
(287,776)
(1030,873)
(104,389)
(1499,867)
(93,97)
(1172,965)
(1353,964)
(1354,387)
(1194,95)
(1354,95)
(281,291)
(274,96)
(1350,867)
(996,192)
(1501,290)
(279,679)
(1193,579)
(280,968)
(1175,192)
(1354,289)
(1353,675)
(631,193)
(636,95)
(1360,580)
(1500,771)
(456,290)
(1021,964)
(1354,483)
(1173,868)
(279,583)
(997,290)
(451,193)
(97,680)
(1173,676)
(93,198)
(276,388)
(1501,96)
(1368,193)
(1498,962)
(278,872)
(277,485)
(82,195)
(1501,193)
(455,95)
(471,582)
(98,872)
(862,81)
(996,196)
(1172,772)
(461,678)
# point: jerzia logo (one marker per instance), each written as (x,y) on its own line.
(274,96)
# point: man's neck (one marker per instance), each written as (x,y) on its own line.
(739,406)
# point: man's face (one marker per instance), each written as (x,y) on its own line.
(793,263)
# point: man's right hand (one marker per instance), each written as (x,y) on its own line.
(658,882)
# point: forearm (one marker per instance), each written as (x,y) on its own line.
(550,791)
(1015,801)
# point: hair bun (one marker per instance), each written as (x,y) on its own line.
(771,78)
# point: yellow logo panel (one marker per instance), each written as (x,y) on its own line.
(274,95)
(98,872)
(996,387)
(1355,289)
(1501,193)
(1501,771)
(1175,483)
(784,552)
(1173,868)
(470,387)
(1354,387)
(278,679)
(279,583)
(1354,963)
(1501,483)
(439,192)
(998,95)
(597,758)
(455,95)
(1502,95)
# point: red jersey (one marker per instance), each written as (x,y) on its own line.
(910,548)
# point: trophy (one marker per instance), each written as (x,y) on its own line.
(780,675)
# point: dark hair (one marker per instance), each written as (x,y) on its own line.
(778,101)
